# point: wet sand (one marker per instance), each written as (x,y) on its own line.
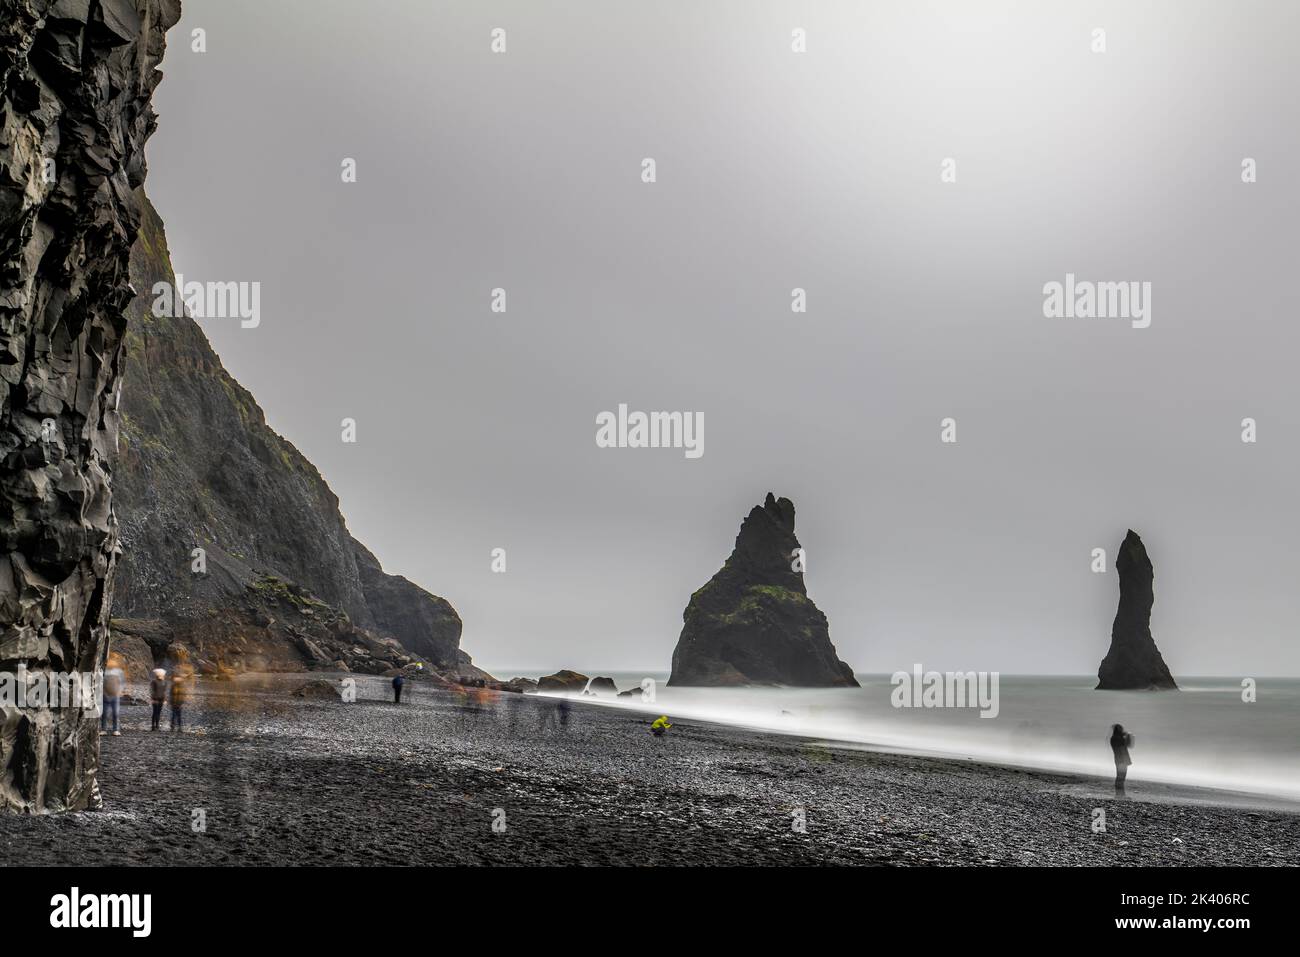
(284,780)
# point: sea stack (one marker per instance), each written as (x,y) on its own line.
(1134,662)
(753,622)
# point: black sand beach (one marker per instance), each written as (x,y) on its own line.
(284,780)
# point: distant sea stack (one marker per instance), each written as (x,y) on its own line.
(753,622)
(1134,662)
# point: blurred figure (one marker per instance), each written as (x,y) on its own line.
(114,680)
(157,695)
(660,726)
(1120,742)
(180,693)
(398,681)
(553,713)
(473,693)
(514,703)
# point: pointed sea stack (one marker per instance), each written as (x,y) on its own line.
(753,622)
(1134,662)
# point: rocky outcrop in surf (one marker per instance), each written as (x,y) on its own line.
(753,622)
(563,680)
(1133,661)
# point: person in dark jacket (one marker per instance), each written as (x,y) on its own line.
(1120,742)
(398,681)
(157,695)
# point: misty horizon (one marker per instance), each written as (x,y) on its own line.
(925,300)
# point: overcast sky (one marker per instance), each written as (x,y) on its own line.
(775,170)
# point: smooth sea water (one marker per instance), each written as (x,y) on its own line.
(1202,736)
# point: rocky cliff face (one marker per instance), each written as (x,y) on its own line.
(425,624)
(281,583)
(78,76)
(753,623)
(1134,661)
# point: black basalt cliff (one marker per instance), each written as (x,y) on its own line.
(753,622)
(1133,661)
(76,81)
(235,551)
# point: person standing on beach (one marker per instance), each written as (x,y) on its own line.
(180,694)
(157,695)
(113,681)
(398,681)
(1120,742)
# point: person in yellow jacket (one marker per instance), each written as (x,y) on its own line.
(660,726)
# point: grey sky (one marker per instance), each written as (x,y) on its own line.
(775,170)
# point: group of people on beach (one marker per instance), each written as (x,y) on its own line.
(550,715)
(162,688)
(177,690)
